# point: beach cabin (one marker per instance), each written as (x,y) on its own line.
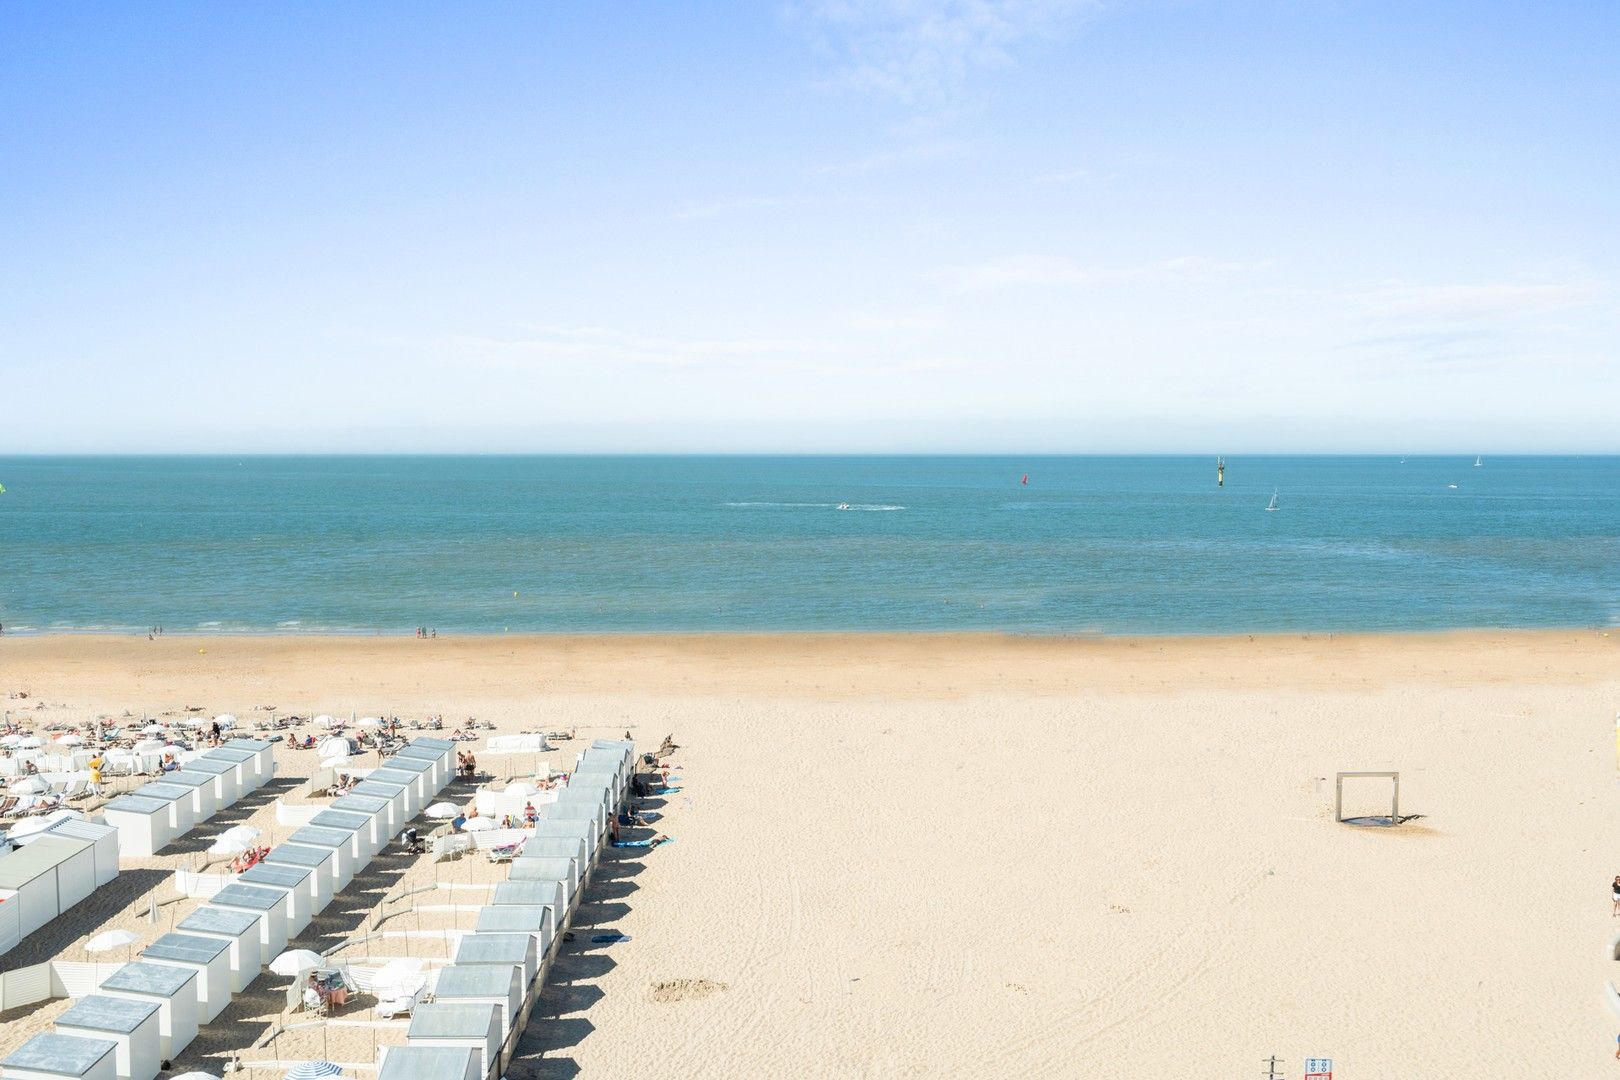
(317,860)
(240,931)
(505,949)
(559,847)
(362,829)
(294,881)
(379,812)
(182,811)
(269,903)
(203,788)
(500,985)
(131,1026)
(342,846)
(208,957)
(396,795)
(264,757)
(172,989)
(247,767)
(227,779)
(564,871)
(61,1057)
(597,799)
(412,782)
(532,919)
(103,840)
(428,1063)
(46,878)
(600,778)
(589,814)
(439,759)
(143,824)
(459,1024)
(583,831)
(423,771)
(10,922)
(548,894)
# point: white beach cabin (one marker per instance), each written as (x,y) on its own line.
(264,757)
(362,828)
(239,930)
(379,813)
(247,767)
(172,989)
(500,985)
(182,804)
(227,779)
(342,846)
(583,831)
(412,782)
(505,949)
(459,1024)
(102,838)
(317,860)
(429,1063)
(532,919)
(396,795)
(292,880)
(131,1026)
(563,871)
(208,957)
(578,812)
(204,800)
(61,1057)
(426,785)
(439,759)
(143,823)
(270,903)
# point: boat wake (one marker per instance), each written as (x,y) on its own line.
(810,506)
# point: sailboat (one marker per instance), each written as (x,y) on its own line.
(1478,462)
(1272,505)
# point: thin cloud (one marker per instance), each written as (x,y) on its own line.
(884,160)
(928,54)
(1464,302)
(602,345)
(698,211)
(1047,271)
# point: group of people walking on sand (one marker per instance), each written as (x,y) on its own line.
(427,631)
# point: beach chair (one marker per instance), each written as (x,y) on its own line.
(395,1001)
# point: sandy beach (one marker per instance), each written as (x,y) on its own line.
(924,855)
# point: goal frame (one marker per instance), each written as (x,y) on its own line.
(1394,794)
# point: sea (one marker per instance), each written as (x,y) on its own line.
(1037,545)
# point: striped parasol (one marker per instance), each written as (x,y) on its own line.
(312,1070)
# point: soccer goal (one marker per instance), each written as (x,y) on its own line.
(1394,815)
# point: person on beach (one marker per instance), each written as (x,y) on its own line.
(95,782)
(1616,894)
(530,814)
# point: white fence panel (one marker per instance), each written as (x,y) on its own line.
(25,986)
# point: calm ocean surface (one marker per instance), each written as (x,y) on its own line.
(1096,544)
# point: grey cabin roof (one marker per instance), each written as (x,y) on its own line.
(139,977)
(212,766)
(497,948)
(108,1013)
(215,920)
(255,897)
(235,755)
(528,918)
(287,877)
(159,789)
(451,1020)
(189,777)
(65,1055)
(189,948)
(360,804)
(426,1063)
(337,819)
(475,980)
(138,804)
(318,837)
(517,893)
(299,855)
(248,744)
(42,856)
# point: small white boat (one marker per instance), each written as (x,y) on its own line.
(1272,505)
(1478,462)
(843,506)
(1453,487)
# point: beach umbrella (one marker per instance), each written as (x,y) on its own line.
(323,720)
(155,729)
(194,721)
(312,1070)
(227,845)
(521,787)
(112,939)
(370,721)
(31,742)
(225,720)
(70,740)
(442,811)
(478,824)
(296,962)
(29,785)
(10,740)
(243,833)
(195,1076)
(148,744)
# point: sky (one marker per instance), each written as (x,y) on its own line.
(821,226)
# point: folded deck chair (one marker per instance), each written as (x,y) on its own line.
(398,1000)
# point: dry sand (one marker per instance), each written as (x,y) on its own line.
(985,856)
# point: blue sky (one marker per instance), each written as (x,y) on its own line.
(1036,226)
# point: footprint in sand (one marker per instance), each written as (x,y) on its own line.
(683,989)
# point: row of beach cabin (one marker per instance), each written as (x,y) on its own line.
(50,871)
(156,814)
(149,1010)
(482,999)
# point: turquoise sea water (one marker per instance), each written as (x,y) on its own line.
(1094,544)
